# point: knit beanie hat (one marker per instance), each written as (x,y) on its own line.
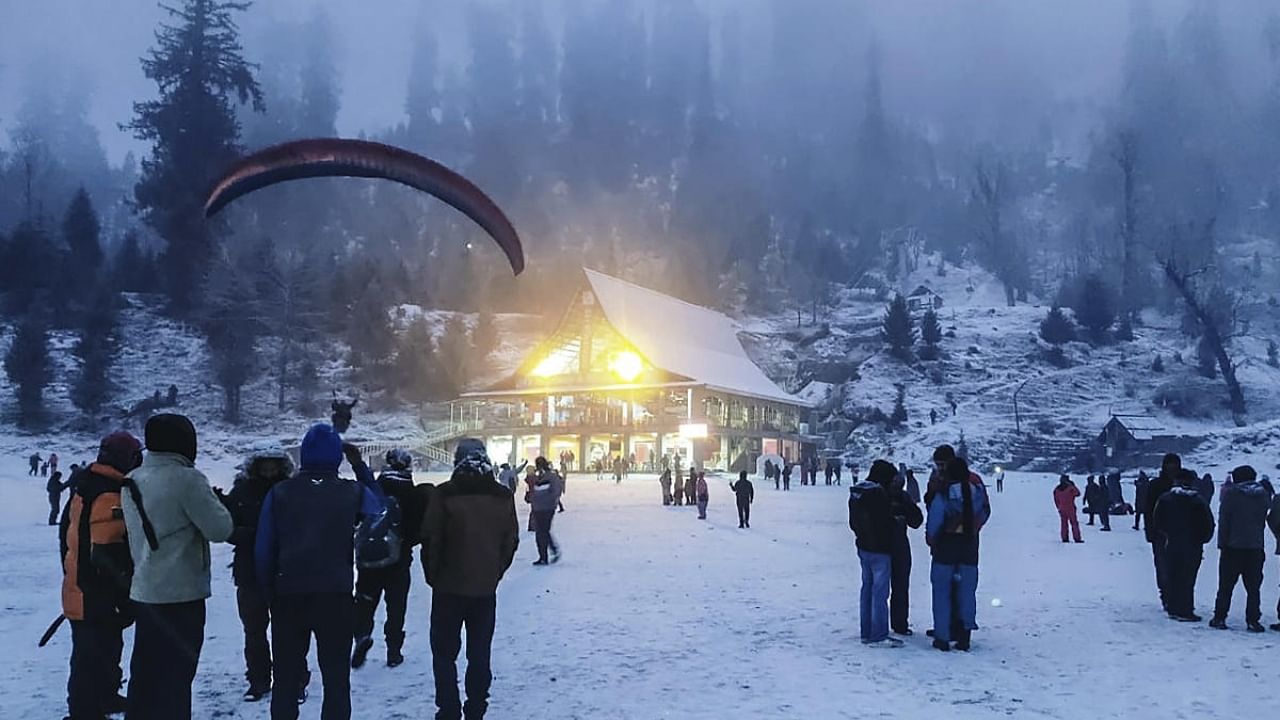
(1244,474)
(172,434)
(321,448)
(121,451)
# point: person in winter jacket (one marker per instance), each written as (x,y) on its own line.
(409,503)
(35,461)
(1184,520)
(958,510)
(1141,487)
(530,479)
(304,553)
(691,486)
(1242,522)
(260,472)
(171,515)
(745,494)
(510,476)
(470,539)
(1170,468)
(1273,522)
(1064,499)
(786,476)
(1206,488)
(54,488)
(703,494)
(679,486)
(1096,503)
(543,498)
(906,514)
(97,570)
(872,522)
(664,480)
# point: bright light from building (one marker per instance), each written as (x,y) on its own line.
(627,365)
(693,431)
(549,366)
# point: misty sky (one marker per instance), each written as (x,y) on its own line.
(943,59)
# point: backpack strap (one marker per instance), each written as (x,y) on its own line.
(147,529)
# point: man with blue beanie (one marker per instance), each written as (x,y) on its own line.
(304,552)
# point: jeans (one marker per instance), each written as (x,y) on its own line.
(1235,564)
(95,667)
(449,614)
(744,513)
(874,602)
(900,588)
(955,592)
(295,618)
(370,588)
(1182,565)
(1072,522)
(702,508)
(542,526)
(166,652)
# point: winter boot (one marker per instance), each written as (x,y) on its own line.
(256,692)
(1218,624)
(363,645)
(942,645)
(1256,627)
(394,657)
(1275,626)
(962,640)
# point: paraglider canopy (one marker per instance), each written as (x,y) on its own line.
(337,157)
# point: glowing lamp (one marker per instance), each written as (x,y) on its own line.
(626,365)
(693,431)
(550,366)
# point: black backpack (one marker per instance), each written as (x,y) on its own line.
(379,538)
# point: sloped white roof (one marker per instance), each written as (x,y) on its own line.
(683,338)
(1142,427)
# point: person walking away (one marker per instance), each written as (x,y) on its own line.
(97,571)
(906,514)
(745,494)
(828,471)
(406,503)
(1091,499)
(54,488)
(1205,487)
(871,520)
(786,476)
(1170,467)
(304,556)
(703,493)
(1242,522)
(543,499)
(957,513)
(1186,522)
(1141,487)
(35,461)
(171,515)
(839,470)
(1064,499)
(664,480)
(469,541)
(260,472)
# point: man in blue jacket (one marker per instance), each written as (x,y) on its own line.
(304,554)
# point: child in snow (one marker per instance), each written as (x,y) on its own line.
(1064,499)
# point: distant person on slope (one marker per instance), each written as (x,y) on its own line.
(745,494)
(1064,499)
(906,514)
(1186,522)
(1242,522)
(958,511)
(1141,488)
(872,522)
(1170,468)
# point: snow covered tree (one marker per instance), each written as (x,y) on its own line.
(417,374)
(1094,307)
(291,312)
(899,414)
(81,231)
(898,331)
(199,69)
(931,331)
(232,323)
(29,368)
(1057,328)
(370,336)
(96,348)
(453,352)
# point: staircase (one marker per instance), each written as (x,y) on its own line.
(431,445)
(1048,454)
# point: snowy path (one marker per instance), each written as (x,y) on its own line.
(654,614)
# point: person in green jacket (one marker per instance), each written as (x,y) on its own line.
(171,515)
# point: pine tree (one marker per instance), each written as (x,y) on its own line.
(899,415)
(1094,307)
(29,368)
(81,231)
(199,69)
(417,376)
(96,349)
(232,323)
(1057,328)
(291,313)
(898,332)
(453,353)
(1273,354)
(370,336)
(930,329)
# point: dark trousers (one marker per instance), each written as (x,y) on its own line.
(900,589)
(449,614)
(95,667)
(1160,560)
(542,529)
(255,616)
(786,482)
(54,503)
(1105,516)
(1182,565)
(1235,564)
(166,652)
(295,618)
(1137,518)
(1091,515)
(371,585)
(744,513)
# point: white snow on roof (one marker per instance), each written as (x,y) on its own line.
(1142,427)
(683,338)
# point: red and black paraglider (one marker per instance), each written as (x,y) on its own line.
(336,157)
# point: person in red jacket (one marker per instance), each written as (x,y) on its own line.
(1064,498)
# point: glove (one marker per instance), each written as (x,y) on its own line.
(352,454)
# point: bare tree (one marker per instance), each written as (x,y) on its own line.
(1126,157)
(988,198)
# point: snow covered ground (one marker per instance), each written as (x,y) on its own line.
(654,614)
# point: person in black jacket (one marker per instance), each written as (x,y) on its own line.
(409,501)
(1273,522)
(1186,523)
(259,473)
(872,521)
(1242,525)
(54,487)
(906,514)
(746,494)
(1141,488)
(1170,466)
